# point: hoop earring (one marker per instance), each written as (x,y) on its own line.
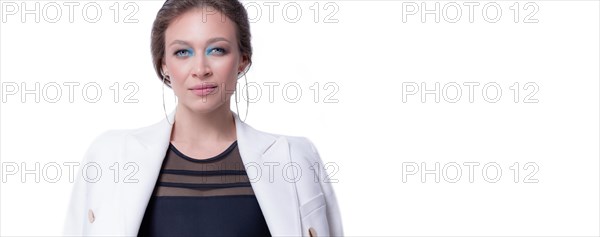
(163,99)
(247,101)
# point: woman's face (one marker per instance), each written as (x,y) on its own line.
(201,51)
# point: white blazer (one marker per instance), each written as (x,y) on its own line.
(122,167)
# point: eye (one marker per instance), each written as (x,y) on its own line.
(218,51)
(183,53)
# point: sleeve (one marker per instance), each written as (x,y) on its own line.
(77,215)
(74,222)
(333,210)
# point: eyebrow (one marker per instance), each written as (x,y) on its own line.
(210,41)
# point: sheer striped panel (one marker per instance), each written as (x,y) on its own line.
(220,175)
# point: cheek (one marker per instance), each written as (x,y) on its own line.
(231,86)
(226,71)
(177,75)
(226,66)
(177,69)
(178,72)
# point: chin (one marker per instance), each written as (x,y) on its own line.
(204,106)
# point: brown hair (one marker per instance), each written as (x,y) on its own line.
(172,9)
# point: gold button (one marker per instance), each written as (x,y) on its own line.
(91,217)
(312,232)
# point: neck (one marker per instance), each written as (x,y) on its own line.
(195,127)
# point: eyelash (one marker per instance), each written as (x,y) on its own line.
(181,51)
(223,51)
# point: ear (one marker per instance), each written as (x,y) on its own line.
(243,64)
(164,68)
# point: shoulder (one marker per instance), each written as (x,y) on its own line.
(301,143)
(112,137)
(105,146)
(109,137)
(300,146)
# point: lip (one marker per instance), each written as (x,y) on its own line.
(204,86)
(204,89)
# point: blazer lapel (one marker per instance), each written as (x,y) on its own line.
(145,148)
(263,155)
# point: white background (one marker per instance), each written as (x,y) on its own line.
(369,133)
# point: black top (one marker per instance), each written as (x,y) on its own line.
(208,197)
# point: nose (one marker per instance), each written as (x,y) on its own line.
(202,68)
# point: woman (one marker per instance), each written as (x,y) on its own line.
(201,171)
